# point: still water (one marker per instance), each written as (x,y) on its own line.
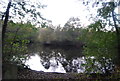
(62,60)
(35,63)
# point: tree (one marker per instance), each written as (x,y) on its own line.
(108,12)
(14,46)
(18,10)
(5,21)
(108,17)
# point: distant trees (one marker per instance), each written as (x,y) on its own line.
(45,34)
(70,31)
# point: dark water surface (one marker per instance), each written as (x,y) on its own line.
(63,59)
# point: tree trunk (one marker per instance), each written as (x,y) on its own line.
(3,38)
(5,26)
(0,50)
(118,38)
(5,21)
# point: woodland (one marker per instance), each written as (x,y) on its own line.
(95,40)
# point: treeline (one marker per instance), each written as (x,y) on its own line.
(97,41)
(59,34)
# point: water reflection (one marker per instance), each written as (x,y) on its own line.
(67,59)
(35,64)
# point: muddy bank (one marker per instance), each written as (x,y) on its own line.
(31,74)
(26,73)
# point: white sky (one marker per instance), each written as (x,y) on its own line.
(59,11)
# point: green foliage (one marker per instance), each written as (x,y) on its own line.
(16,39)
(98,41)
(99,44)
(106,10)
(107,43)
(15,51)
(21,31)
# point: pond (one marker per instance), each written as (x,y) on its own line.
(63,59)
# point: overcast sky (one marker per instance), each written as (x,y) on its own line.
(59,11)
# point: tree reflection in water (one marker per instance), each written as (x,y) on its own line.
(69,58)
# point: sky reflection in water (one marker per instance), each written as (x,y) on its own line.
(35,64)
